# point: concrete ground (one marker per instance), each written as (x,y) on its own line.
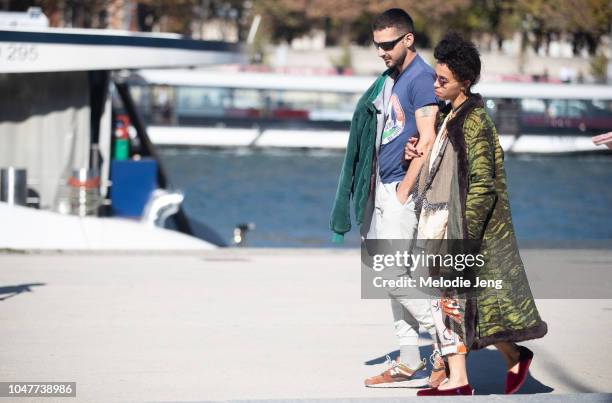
(256,324)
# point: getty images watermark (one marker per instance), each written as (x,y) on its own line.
(424,268)
(410,261)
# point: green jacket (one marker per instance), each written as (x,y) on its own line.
(356,174)
(482,211)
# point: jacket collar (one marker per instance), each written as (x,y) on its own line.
(455,125)
(378,86)
(474,101)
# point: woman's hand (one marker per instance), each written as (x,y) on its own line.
(410,150)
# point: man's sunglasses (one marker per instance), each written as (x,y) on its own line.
(389,45)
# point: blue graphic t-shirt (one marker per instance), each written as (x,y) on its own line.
(413,89)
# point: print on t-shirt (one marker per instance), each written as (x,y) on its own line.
(413,88)
(396,120)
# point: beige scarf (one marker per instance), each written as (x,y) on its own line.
(435,186)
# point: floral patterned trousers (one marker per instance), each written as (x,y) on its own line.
(448,313)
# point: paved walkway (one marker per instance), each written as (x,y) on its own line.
(254,324)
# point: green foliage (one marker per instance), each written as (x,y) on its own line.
(348,21)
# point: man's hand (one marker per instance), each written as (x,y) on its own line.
(410,150)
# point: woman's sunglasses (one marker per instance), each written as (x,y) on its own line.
(389,45)
(443,81)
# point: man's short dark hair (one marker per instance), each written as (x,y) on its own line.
(461,57)
(394,17)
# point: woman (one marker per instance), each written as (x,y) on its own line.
(463,195)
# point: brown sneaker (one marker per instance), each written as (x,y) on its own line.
(399,375)
(438,372)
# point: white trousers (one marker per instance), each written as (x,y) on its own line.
(394,220)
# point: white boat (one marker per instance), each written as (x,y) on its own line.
(250,109)
(56,125)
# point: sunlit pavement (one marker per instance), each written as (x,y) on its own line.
(255,324)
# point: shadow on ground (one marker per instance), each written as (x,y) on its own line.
(14,290)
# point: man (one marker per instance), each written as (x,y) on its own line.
(380,181)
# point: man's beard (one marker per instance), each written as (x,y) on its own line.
(394,64)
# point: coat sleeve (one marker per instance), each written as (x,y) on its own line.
(481,194)
(340,221)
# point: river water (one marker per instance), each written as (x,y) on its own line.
(288,194)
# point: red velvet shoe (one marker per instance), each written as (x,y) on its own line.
(515,381)
(465,390)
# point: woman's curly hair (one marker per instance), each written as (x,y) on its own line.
(461,57)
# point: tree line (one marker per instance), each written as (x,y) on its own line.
(583,23)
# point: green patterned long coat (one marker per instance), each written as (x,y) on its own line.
(479,209)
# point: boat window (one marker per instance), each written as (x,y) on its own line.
(576,108)
(202,101)
(294,99)
(556,108)
(247,99)
(603,107)
(533,105)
